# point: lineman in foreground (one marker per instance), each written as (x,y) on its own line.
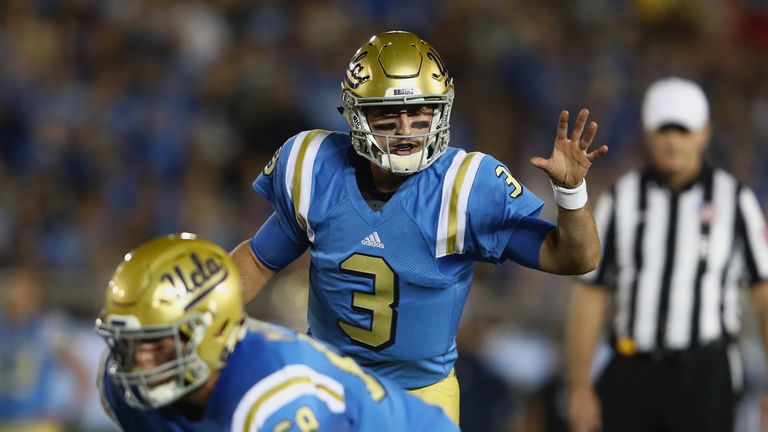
(183,356)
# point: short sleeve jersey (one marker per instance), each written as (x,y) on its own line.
(388,287)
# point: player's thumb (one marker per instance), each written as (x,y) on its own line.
(541,163)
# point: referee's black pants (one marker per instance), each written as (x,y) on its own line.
(678,391)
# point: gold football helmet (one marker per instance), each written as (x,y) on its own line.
(178,287)
(397,68)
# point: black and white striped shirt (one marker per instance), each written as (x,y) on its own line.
(676,259)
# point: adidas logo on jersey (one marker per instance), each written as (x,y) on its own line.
(373,240)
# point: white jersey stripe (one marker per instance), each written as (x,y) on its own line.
(724,191)
(281,388)
(696,285)
(441,246)
(466,187)
(686,264)
(654,256)
(627,218)
(304,153)
(291,164)
(306,179)
(732,313)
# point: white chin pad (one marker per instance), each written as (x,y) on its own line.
(406,163)
(163,394)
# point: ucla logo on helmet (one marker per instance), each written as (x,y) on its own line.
(204,274)
(355,75)
(442,70)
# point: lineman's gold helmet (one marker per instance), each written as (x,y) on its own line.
(397,68)
(179,287)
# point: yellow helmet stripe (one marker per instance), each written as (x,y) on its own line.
(299,176)
(280,389)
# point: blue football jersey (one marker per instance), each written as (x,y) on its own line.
(278,380)
(388,287)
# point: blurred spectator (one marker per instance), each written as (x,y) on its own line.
(35,346)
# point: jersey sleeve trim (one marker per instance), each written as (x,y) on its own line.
(452,220)
(298,176)
(280,389)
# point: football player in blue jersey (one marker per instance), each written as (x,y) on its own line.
(396,220)
(183,357)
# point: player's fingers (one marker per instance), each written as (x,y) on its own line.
(541,163)
(578,126)
(562,125)
(597,153)
(589,135)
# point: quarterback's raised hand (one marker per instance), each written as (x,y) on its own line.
(570,158)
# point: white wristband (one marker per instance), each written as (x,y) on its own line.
(571,199)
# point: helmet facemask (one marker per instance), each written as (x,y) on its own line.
(167,382)
(365,142)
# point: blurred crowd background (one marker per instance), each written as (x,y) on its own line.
(121,120)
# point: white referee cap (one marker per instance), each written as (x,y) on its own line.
(675,101)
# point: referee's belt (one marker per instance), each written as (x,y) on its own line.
(626,347)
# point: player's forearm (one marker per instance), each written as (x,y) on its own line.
(573,247)
(583,328)
(253,273)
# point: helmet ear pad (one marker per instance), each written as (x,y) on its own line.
(395,69)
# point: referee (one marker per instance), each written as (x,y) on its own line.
(679,238)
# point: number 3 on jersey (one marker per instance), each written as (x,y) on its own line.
(380,305)
(501,170)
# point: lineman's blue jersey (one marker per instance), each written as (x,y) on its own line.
(277,380)
(388,287)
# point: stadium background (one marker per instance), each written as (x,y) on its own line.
(122,120)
